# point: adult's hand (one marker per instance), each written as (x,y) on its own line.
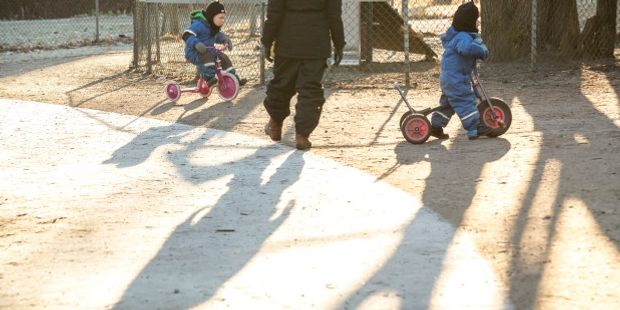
(200,47)
(268,53)
(337,56)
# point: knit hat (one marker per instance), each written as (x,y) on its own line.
(213,9)
(466,17)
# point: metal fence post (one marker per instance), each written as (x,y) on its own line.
(368,20)
(405,16)
(262,48)
(533,43)
(136,20)
(149,42)
(96,20)
(157,34)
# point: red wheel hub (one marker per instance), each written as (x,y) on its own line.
(488,117)
(416,129)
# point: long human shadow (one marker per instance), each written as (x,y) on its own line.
(582,144)
(205,251)
(200,112)
(449,191)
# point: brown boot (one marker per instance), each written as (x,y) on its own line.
(274,130)
(302,142)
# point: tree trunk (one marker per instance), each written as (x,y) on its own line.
(598,37)
(506,28)
(558,27)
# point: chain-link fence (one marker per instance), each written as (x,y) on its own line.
(158,45)
(581,29)
(377,31)
(374,33)
(46,24)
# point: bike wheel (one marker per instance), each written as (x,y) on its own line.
(504,116)
(416,128)
(402,118)
(228,87)
(173,91)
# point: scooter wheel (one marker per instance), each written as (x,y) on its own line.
(504,116)
(228,87)
(173,91)
(402,118)
(416,128)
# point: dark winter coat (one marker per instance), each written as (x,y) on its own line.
(302,28)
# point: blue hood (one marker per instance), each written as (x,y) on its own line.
(448,36)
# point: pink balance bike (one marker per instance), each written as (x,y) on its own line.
(494,113)
(227,83)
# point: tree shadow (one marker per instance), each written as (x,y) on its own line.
(413,281)
(576,166)
(222,115)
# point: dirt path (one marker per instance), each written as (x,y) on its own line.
(542,201)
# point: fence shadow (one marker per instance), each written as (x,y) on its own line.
(23,63)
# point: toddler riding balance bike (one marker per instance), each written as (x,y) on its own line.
(227,83)
(494,113)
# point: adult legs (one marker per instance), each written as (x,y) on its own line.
(310,98)
(280,90)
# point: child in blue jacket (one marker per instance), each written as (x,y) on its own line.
(462,47)
(204,32)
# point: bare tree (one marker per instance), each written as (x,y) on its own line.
(506,28)
(507,25)
(598,37)
(558,24)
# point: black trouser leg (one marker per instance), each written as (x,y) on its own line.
(310,96)
(281,88)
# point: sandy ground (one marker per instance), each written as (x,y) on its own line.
(540,202)
(192,216)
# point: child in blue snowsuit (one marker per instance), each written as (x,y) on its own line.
(462,47)
(202,34)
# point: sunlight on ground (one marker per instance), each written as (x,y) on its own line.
(541,216)
(525,121)
(382,300)
(167,215)
(606,99)
(573,258)
(475,285)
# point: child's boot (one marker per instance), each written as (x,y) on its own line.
(437,132)
(479,131)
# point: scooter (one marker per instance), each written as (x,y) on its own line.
(227,84)
(494,113)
